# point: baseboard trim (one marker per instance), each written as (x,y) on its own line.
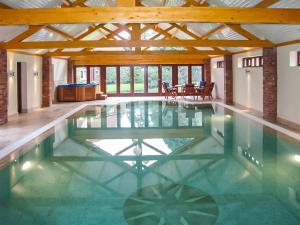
(288,123)
(248,110)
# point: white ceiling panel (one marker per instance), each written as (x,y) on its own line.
(32,3)
(9,32)
(45,35)
(286,4)
(72,29)
(276,33)
(93,3)
(227,34)
(233,3)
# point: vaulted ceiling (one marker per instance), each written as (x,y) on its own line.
(157,38)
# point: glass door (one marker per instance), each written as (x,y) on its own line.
(111,80)
(95,76)
(153,79)
(183,72)
(196,74)
(139,79)
(125,85)
(166,72)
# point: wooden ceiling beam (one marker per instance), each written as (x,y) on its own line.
(168,35)
(149,15)
(139,59)
(30,31)
(80,3)
(58,31)
(195,4)
(4,6)
(136,43)
(125,53)
(238,29)
(213,31)
(124,3)
(266,3)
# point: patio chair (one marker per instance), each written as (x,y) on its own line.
(189,90)
(201,85)
(169,91)
(206,91)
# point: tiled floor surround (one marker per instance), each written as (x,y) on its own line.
(20,126)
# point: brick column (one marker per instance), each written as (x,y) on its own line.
(207,70)
(70,75)
(47,83)
(3,86)
(228,80)
(270,84)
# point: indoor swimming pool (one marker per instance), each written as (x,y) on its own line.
(154,163)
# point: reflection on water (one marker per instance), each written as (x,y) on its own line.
(104,161)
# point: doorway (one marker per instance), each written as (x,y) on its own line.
(21,87)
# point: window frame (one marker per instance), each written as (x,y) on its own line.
(256,61)
(220,64)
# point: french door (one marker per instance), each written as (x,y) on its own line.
(125,80)
(111,80)
(154,80)
(137,80)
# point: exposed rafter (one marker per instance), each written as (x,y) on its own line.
(67,3)
(136,43)
(266,3)
(149,15)
(139,59)
(228,17)
(126,53)
(30,31)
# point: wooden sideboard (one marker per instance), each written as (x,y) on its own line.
(76,92)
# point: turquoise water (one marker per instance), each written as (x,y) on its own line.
(154,163)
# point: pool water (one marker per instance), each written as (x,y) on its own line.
(155,163)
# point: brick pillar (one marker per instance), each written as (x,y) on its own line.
(47,83)
(207,70)
(70,75)
(3,86)
(228,80)
(270,84)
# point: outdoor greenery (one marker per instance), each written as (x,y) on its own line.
(139,76)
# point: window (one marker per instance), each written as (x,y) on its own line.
(183,72)
(81,75)
(152,79)
(298,58)
(196,74)
(125,74)
(167,74)
(253,62)
(111,79)
(139,79)
(220,64)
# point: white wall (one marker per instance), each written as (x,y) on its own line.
(288,85)
(34,83)
(217,76)
(60,70)
(248,87)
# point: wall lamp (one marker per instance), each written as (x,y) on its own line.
(11,74)
(247,71)
(36,74)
